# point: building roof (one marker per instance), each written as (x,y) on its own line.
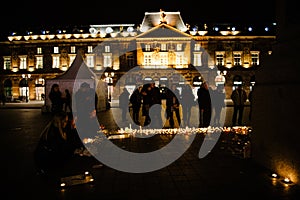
(153,19)
(163,31)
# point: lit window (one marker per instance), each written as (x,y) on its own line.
(163,47)
(39,50)
(90,60)
(237,59)
(179,47)
(179,60)
(147,47)
(164,59)
(73,49)
(7,63)
(107,49)
(197,59)
(107,61)
(220,59)
(55,62)
(197,47)
(90,49)
(39,62)
(56,50)
(23,62)
(148,59)
(254,59)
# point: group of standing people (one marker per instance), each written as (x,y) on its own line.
(60,102)
(209,101)
(148,100)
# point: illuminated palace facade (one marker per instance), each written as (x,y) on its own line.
(161,45)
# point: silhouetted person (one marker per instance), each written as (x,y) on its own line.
(187,101)
(124,103)
(147,102)
(67,101)
(136,102)
(239,97)
(53,148)
(172,105)
(218,102)
(56,99)
(204,102)
(156,119)
(86,118)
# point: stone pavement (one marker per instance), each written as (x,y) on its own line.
(223,173)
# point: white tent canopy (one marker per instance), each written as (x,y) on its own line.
(78,73)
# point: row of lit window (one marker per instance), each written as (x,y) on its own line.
(90,49)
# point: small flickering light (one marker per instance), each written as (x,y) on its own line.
(86,173)
(274,175)
(62,184)
(287,180)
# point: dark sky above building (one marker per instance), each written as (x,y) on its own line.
(60,13)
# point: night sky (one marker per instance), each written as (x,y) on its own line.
(33,13)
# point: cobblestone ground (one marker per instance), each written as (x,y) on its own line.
(223,173)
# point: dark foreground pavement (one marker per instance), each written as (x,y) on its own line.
(221,174)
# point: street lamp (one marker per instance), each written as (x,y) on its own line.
(26,77)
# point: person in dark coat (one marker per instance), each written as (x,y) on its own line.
(86,118)
(204,102)
(239,98)
(56,99)
(136,102)
(172,105)
(155,105)
(68,101)
(146,97)
(53,148)
(187,101)
(218,102)
(250,98)
(124,103)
